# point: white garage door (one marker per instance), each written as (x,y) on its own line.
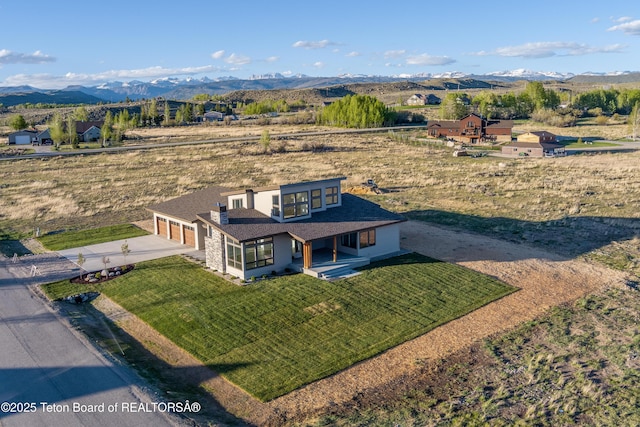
(23,139)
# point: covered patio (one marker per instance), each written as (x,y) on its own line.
(324,263)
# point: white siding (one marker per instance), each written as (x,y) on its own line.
(387,242)
(262,201)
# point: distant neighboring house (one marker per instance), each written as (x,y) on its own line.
(43,138)
(471,129)
(30,136)
(310,227)
(535,144)
(420,99)
(213,116)
(537,136)
(23,137)
(89,131)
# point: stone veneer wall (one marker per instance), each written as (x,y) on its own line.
(214,252)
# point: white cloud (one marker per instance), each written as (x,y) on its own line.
(233,59)
(217,54)
(426,59)
(318,64)
(394,53)
(631,28)
(352,54)
(37,57)
(313,45)
(623,19)
(549,49)
(272,59)
(236,59)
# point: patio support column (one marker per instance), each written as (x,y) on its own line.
(306,255)
(335,248)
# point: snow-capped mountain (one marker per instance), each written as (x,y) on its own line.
(175,88)
(523,73)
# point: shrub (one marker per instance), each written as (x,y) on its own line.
(552,118)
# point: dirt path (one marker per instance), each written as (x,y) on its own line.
(545,280)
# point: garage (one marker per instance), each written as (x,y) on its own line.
(174,231)
(162,227)
(189,236)
(23,139)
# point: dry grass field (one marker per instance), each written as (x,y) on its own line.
(574,205)
(581,206)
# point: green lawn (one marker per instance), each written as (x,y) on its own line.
(590,144)
(274,336)
(74,239)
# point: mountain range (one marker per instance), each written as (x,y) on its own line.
(173,88)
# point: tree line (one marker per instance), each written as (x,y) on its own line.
(542,104)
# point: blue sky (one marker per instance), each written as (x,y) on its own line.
(50,44)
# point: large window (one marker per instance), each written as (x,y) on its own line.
(275,205)
(349,240)
(295,204)
(316,199)
(258,253)
(234,254)
(367,238)
(331,195)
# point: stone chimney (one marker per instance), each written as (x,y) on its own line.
(250,202)
(219,214)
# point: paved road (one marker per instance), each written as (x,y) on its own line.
(43,360)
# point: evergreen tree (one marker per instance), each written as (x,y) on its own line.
(17,122)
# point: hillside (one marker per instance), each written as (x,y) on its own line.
(50,97)
(387,92)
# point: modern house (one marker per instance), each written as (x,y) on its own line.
(471,129)
(535,144)
(310,227)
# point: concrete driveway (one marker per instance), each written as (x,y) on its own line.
(142,249)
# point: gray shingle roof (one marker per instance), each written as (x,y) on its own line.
(188,206)
(355,214)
